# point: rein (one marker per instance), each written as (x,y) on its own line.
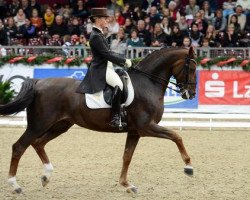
(164,81)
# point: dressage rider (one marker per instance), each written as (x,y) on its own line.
(101,69)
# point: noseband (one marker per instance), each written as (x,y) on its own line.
(163,81)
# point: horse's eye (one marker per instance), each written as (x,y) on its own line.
(192,70)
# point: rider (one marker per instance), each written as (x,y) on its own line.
(101,69)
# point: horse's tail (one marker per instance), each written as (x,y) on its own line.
(22,100)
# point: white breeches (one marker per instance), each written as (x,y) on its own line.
(112,77)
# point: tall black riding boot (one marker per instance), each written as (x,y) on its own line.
(116,109)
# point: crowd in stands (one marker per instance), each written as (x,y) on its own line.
(133,23)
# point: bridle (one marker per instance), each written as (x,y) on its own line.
(163,81)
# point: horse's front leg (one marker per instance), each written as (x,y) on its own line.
(154,130)
(131,142)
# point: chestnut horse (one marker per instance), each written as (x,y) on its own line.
(53,107)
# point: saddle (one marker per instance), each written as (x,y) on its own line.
(103,98)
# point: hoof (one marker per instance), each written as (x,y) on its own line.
(45,180)
(188,170)
(17,191)
(131,189)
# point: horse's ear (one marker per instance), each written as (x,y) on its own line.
(191,52)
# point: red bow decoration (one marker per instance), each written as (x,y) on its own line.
(53,60)
(88,59)
(205,60)
(69,60)
(32,58)
(244,62)
(16,59)
(226,62)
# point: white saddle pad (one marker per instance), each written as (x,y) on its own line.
(96,100)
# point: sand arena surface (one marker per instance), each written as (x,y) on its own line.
(87,166)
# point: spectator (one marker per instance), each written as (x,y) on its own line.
(28,30)
(241,17)
(174,13)
(118,45)
(165,25)
(137,14)
(192,8)
(219,22)
(3,51)
(183,24)
(228,7)
(158,37)
(11,29)
(205,43)
(143,34)
(26,8)
(134,40)
(195,35)
(186,42)
(229,38)
(3,34)
(36,20)
(119,18)
(128,26)
(208,14)
(148,25)
(126,13)
(233,19)
(74,27)
(159,4)
(245,6)
(13,7)
(113,6)
(35,5)
(66,12)
(59,27)
(80,10)
(113,26)
(49,17)
(211,36)
(180,6)
(154,16)
(66,45)
(176,37)
(20,17)
(82,43)
(201,23)
(3,10)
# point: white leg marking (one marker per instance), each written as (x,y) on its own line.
(48,169)
(13,183)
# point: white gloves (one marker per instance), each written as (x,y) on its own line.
(128,63)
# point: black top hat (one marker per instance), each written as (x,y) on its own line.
(98,12)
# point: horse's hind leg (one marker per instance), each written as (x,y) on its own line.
(154,130)
(131,143)
(17,151)
(39,144)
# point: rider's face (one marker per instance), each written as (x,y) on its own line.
(103,22)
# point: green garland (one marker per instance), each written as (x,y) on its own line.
(78,61)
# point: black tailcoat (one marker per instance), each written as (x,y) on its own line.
(95,79)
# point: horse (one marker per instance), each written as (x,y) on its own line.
(53,106)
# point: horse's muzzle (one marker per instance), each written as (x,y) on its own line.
(187,94)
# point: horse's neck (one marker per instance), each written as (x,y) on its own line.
(160,69)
